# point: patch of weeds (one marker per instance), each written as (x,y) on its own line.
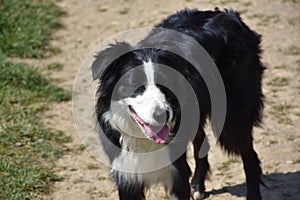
(22,85)
(220,174)
(80,148)
(102,9)
(282,107)
(298,63)
(22,179)
(229,176)
(274,90)
(225,165)
(91,166)
(25,144)
(228,183)
(94,193)
(290,1)
(291,138)
(100,178)
(268,19)
(165,196)
(55,66)
(265,20)
(247,3)
(25,26)
(257,15)
(280,113)
(223,2)
(291,21)
(292,50)
(141,23)
(273,142)
(243,11)
(52,51)
(279,67)
(124,11)
(265,133)
(78,180)
(279,82)
(296,161)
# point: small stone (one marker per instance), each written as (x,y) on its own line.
(18,144)
(289,162)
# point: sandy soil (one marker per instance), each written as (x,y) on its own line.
(89,22)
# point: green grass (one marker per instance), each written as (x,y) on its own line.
(96,194)
(273,141)
(279,81)
(265,20)
(25,144)
(248,3)
(55,66)
(226,2)
(124,11)
(102,9)
(225,165)
(297,161)
(280,66)
(25,26)
(290,1)
(27,148)
(280,112)
(298,62)
(92,166)
(292,50)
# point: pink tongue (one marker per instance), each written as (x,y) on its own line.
(159,135)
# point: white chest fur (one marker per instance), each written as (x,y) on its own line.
(144,162)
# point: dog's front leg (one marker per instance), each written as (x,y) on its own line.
(131,191)
(181,186)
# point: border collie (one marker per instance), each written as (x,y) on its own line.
(141,119)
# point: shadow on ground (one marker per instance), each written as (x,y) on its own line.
(282,186)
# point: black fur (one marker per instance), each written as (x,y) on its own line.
(236,51)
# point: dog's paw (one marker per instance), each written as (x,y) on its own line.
(197,195)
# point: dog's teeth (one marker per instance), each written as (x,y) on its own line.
(198,196)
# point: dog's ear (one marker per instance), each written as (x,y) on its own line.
(106,57)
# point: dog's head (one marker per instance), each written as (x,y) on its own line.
(132,97)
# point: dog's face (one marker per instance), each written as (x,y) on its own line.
(141,111)
(138,106)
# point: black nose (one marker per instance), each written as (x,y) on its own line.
(161,115)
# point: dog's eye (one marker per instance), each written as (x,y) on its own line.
(123,92)
(140,89)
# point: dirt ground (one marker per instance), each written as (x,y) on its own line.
(86,23)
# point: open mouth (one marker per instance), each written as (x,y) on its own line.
(159,134)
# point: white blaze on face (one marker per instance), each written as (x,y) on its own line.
(149,72)
(151,99)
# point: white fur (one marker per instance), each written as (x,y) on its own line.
(149,72)
(134,140)
(144,168)
(145,104)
